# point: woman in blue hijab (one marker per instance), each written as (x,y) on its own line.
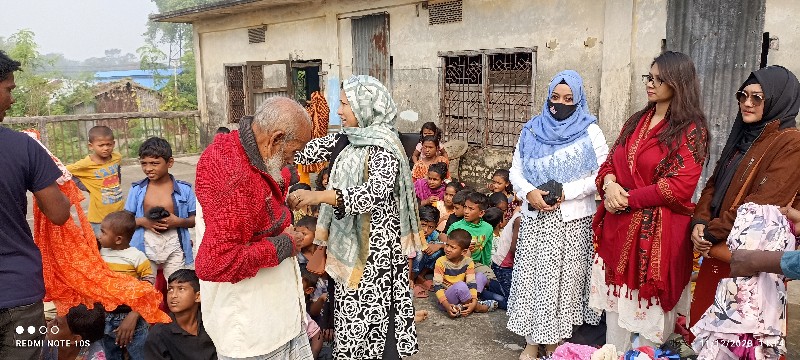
(553,171)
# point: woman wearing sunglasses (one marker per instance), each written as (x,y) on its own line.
(643,257)
(760,163)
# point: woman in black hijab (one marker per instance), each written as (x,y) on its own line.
(760,163)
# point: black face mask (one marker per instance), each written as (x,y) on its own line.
(561,111)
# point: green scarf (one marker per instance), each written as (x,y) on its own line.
(348,238)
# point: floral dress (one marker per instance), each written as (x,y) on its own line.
(362,316)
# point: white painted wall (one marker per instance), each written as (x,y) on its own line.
(570,34)
(781,21)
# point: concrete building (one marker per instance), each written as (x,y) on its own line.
(479,68)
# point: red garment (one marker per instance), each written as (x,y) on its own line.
(712,271)
(649,249)
(245,213)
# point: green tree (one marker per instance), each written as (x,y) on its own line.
(34,92)
(179,90)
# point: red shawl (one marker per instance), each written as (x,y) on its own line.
(649,249)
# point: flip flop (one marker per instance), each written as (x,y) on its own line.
(420,292)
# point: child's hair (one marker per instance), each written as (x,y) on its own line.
(432,139)
(308,276)
(100,131)
(299,186)
(456,185)
(429,213)
(122,223)
(155,147)
(461,197)
(493,216)
(503,173)
(321,175)
(314,209)
(223,130)
(479,199)
(439,168)
(496,199)
(437,133)
(308,222)
(461,237)
(89,324)
(185,276)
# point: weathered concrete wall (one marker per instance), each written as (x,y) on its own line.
(478,165)
(781,21)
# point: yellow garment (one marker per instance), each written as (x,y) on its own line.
(103,183)
(130,261)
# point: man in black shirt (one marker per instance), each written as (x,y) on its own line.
(184,337)
(24,166)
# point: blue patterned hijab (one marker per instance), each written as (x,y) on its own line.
(559,150)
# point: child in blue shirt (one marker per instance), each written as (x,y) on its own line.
(164,208)
(426,259)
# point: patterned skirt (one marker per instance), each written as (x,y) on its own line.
(550,282)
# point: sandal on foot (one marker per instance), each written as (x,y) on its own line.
(490,304)
(420,292)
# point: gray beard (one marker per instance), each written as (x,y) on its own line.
(274,166)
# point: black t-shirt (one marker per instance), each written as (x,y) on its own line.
(170,341)
(24,166)
(450,221)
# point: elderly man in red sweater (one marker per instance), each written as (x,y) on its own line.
(253,300)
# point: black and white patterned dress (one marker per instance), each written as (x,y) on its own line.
(362,316)
(550,281)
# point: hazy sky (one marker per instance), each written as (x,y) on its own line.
(79,29)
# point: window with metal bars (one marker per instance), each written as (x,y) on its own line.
(487,95)
(234,82)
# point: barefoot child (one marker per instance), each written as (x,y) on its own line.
(426,259)
(454,278)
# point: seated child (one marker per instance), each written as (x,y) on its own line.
(78,336)
(428,129)
(223,130)
(310,281)
(428,158)
(165,210)
(446,205)
(505,245)
(494,289)
(298,214)
(430,190)
(498,200)
(481,248)
(426,259)
(99,174)
(454,278)
(125,329)
(459,199)
(185,337)
(501,184)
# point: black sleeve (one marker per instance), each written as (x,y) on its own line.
(326,316)
(450,221)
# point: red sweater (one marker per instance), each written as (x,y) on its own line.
(245,212)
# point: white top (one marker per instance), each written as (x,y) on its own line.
(579,195)
(502,243)
(257,315)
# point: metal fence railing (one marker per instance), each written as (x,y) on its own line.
(67,136)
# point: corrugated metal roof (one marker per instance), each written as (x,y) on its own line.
(219,8)
(723,37)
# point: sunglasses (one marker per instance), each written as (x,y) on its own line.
(646,79)
(755,99)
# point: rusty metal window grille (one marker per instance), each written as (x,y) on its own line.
(486,96)
(257,35)
(236,96)
(444,12)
